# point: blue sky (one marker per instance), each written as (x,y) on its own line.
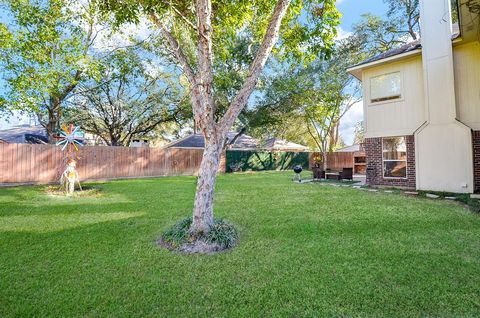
(352,11)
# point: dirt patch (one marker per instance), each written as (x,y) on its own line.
(196,247)
(87,191)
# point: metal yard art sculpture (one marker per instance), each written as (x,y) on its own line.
(70,138)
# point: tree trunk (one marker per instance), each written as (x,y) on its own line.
(53,121)
(207,175)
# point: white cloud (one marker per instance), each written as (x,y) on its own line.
(129,34)
(342,34)
(348,122)
(153,68)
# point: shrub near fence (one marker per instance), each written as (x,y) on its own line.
(239,160)
(25,163)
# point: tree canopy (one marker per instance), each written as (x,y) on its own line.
(128,101)
(44,54)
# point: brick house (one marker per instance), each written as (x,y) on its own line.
(422,105)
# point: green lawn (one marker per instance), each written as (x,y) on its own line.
(305,250)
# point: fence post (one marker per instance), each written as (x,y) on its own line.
(222,168)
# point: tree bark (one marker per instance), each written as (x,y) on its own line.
(207,176)
(54,115)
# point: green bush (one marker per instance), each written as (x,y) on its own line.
(222,233)
(237,160)
(178,233)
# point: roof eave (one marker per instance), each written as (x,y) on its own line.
(357,69)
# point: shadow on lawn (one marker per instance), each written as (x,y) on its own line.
(34,209)
(59,222)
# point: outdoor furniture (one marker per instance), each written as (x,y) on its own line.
(332,175)
(347,173)
(318,173)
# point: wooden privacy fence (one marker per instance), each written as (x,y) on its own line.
(335,160)
(26,163)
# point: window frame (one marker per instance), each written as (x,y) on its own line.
(387,99)
(390,160)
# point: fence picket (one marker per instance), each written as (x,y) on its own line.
(26,163)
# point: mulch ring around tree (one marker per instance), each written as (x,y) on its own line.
(87,191)
(223,236)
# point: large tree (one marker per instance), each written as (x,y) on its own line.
(305,27)
(44,50)
(306,104)
(128,101)
(406,15)
(334,93)
(359,133)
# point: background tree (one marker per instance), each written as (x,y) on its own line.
(401,25)
(406,15)
(44,50)
(127,101)
(216,27)
(359,133)
(307,103)
(377,35)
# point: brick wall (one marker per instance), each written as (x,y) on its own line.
(373,150)
(476,159)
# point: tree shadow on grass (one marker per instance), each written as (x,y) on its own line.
(59,222)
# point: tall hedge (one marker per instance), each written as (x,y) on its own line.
(263,160)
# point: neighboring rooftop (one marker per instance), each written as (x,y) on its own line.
(197,141)
(352,148)
(243,142)
(275,144)
(24,134)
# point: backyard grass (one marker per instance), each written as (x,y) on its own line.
(304,250)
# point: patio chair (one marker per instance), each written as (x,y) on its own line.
(318,172)
(347,174)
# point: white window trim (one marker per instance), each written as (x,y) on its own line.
(406,160)
(388,101)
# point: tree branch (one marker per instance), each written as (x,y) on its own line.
(182,59)
(175,47)
(205,65)
(269,40)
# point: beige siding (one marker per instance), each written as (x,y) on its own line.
(399,117)
(467,83)
(444,158)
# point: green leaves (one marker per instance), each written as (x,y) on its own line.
(131,99)
(43,52)
(307,31)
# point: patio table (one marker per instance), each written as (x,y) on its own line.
(332,175)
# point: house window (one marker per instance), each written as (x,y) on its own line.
(394,151)
(385,87)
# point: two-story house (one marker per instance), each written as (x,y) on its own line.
(422,105)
